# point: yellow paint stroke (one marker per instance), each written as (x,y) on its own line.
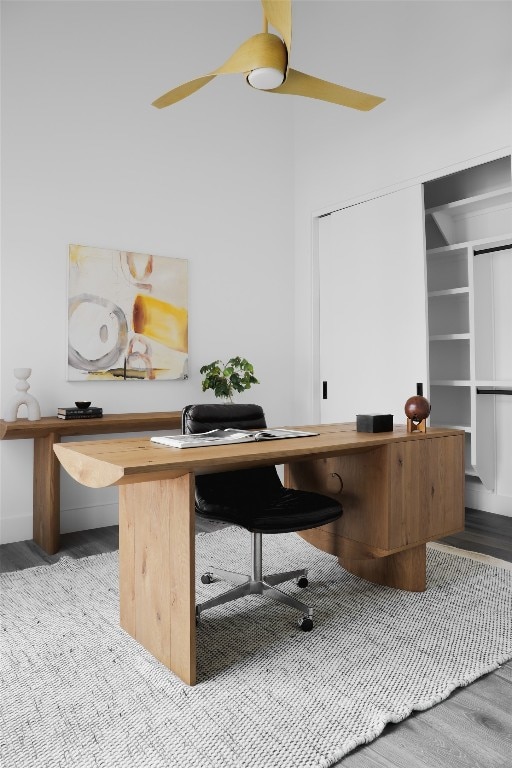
(161,321)
(77,254)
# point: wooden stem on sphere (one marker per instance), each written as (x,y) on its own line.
(416,426)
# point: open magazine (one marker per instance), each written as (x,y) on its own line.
(226,436)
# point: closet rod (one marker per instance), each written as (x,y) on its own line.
(493,391)
(493,250)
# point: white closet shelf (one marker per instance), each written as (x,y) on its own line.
(448,292)
(487,242)
(449,336)
(498,384)
(450,383)
(476,203)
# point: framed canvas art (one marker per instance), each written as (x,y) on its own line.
(127,315)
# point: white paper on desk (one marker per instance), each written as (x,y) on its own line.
(228,436)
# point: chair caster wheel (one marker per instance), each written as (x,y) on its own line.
(206,578)
(302,581)
(306,624)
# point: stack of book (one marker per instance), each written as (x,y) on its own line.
(92,412)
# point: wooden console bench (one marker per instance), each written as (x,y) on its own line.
(50,430)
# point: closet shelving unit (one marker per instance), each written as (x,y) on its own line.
(460,317)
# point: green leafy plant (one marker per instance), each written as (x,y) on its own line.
(236,375)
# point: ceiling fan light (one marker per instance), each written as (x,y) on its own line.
(265,78)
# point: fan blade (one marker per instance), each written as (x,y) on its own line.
(182,91)
(279,14)
(262,50)
(299,84)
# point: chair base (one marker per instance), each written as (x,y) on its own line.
(257,584)
(245,585)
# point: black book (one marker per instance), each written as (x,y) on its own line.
(80,415)
(73,409)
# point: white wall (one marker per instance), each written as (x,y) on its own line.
(227,179)
(87,160)
(445,69)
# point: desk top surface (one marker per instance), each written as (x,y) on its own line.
(100,463)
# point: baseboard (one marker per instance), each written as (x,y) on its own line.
(81,519)
(88,517)
(479,557)
(15,529)
(480,498)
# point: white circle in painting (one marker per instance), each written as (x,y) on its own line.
(93,330)
(97,332)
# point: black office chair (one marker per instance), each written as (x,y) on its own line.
(256,500)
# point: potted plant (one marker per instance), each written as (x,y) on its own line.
(236,375)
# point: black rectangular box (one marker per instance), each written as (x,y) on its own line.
(374,422)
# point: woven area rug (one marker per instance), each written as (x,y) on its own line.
(77,691)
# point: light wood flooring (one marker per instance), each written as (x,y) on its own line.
(471,729)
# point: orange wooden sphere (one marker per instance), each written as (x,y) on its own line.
(417,408)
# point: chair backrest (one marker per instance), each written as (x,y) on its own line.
(202,418)
(238,488)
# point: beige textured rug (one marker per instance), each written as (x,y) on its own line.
(78,692)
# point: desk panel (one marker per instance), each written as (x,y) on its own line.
(395,498)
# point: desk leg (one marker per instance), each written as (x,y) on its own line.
(46,504)
(405,569)
(402,570)
(157,570)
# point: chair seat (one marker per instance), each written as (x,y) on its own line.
(286,511)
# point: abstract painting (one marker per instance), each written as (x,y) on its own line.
(127,315)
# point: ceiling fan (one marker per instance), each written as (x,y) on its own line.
(264,58)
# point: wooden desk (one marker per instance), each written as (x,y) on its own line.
(400,491)
(49,430)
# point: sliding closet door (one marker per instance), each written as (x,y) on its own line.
(373,336)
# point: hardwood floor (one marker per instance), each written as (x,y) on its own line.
(485,533)
(471,729)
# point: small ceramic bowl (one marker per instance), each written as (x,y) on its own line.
(82,404)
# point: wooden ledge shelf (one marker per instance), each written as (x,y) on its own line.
(48,431)
(108,423)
